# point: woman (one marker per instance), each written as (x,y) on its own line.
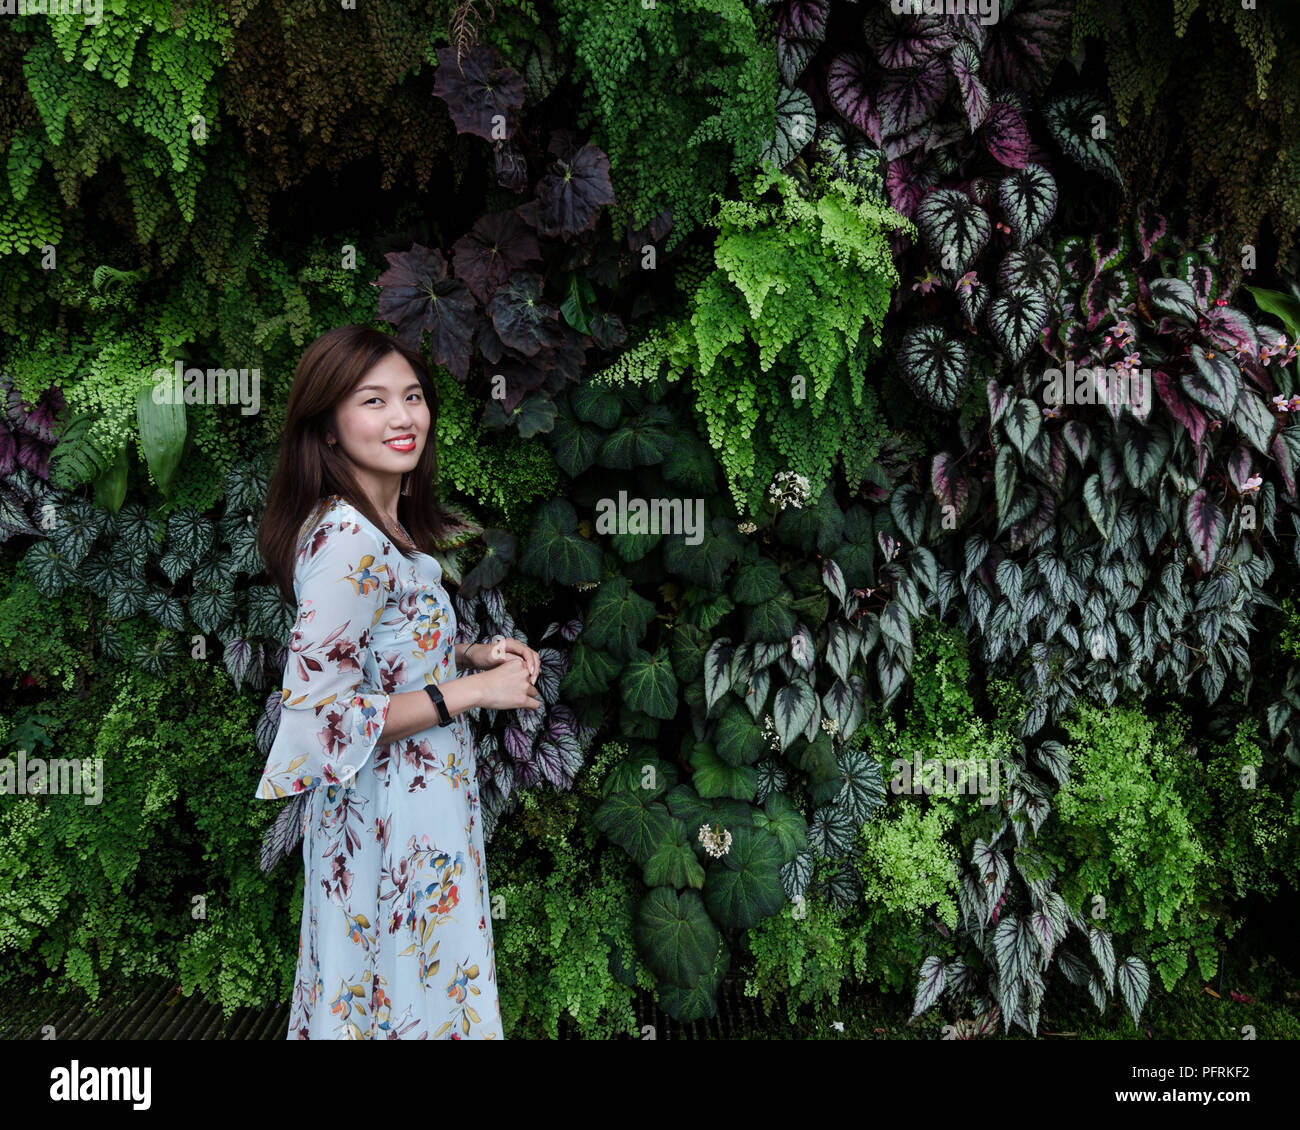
(396,934)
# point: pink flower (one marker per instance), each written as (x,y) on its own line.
(1279,402)
(967,283)
(1294,404)
(926,282)
(1252,484)
(1051,412)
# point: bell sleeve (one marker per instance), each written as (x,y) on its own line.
(331,711)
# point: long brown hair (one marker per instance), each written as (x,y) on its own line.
(309,470)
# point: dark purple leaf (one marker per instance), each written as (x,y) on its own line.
(510,166)
(1025,45)
(901,41)
(499,243)
(518,743)
(479,92)
(906,185)
(520,316)
(8,451)
(907,98)
(1006,135)
(416,294)
(1206,524)
(1179,407)
(571,196)
(804,19)
(848,84)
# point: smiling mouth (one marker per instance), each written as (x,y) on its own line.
(406,443)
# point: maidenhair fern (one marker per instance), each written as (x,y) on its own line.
(777,337)
(679,94)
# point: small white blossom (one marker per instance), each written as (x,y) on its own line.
(789,488)
(716,840)
(830,725)
(769,730)
(746,527)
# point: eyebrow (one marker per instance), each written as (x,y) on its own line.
(380,388)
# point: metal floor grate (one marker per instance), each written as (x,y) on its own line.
(156,1011)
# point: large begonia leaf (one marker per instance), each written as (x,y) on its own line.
(903,40)
(1205,523)
(1179,407)
(796,122)
(954,227)
(417,294)
(907,184)
(1214,381)
(1025,44)
(649,685)
(800,30)
(793,57)
(1105,294)
(634,821)
(848,81)
(934,365)
(676,935)
(964,62)
(479,91)
(497,244)
(744,886)
(1254,420)
(909,97)
(522,318)
(1028,198)
(1145,451)
(949,484)
(1022,423)
(1006,136)
(1079,123)
(555,552)
(571,195)
(617,618)
(1029,268)
(1016,319)
(1174,298)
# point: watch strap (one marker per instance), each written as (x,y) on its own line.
(435,696)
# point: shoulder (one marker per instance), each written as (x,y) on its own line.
(340,532)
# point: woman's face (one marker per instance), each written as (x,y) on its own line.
(387,405)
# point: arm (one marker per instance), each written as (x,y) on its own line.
(414,711)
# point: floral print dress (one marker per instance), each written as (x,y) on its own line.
(396,934)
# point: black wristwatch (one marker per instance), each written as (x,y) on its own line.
(436,696)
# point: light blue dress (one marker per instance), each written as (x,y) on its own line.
(396,934)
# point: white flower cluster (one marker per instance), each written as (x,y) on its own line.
(746,527)
(830,725)
(788,489)
(583,586)
(769,730)
(716,840)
